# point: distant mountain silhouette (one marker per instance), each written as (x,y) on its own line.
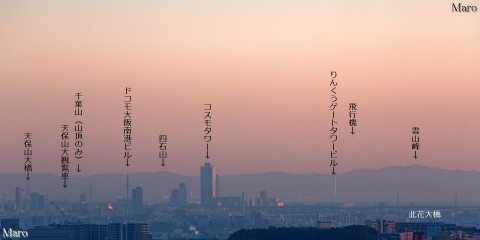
(412,183)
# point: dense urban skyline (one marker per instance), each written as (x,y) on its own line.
(229,217)
(239,119)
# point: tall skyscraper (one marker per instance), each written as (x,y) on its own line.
(175,197)
(207,183)
(19,197)
(217,186)
(182,194)
(37,201)
(137,200)
(127,185)
(263,198)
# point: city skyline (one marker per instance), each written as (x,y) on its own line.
(239,119)
(360,186)
(217,217)
(136,218)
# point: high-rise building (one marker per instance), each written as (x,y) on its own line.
(263,198)
(127,185)
(114,231)
(118,231)
(432,228)
(37,201)
(255,219)
(137,200)
(19,198)
(91,232)
(137,231)
(207,183)
(182,194)
(217,186)
(175,198)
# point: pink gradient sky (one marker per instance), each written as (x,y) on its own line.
(264,65)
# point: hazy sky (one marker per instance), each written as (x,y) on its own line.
(263,65)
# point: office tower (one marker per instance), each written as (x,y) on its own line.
(243,203)
(41,201)
(137,231)
(114,231)
(263,198)
(217,186)
(37,201)
(118,231)
(174,197)
(182,194)
(137,200)
(207,183)
(255,219)
(19,198)
(128,185)
(90,231)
